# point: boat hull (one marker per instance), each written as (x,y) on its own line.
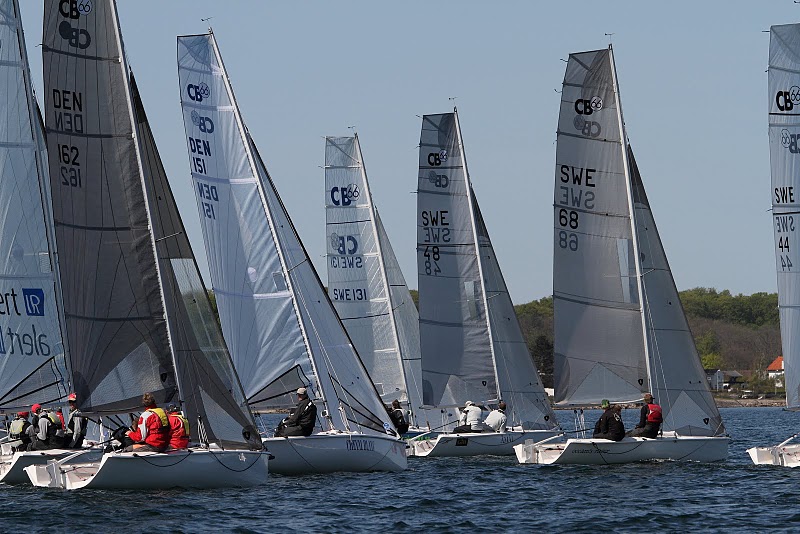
(194,468)
(785,456)
(475,444)
(328,453)
(12,466)
(629,450)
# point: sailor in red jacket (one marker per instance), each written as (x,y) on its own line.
(152,431)
(179,428)
(650,419)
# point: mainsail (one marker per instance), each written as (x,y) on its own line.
(31,349)
(138,318)
(365,282)
(281,327)
(472,346)
(619,325)
(784,132)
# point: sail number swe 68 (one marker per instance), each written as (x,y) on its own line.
(572,195)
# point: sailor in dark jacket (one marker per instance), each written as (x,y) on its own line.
(302,420)
(610,424)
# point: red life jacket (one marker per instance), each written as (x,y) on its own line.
(654,414)
(179,434)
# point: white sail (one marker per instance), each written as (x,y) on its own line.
(472,346)
(360,264)
(620,327)
(277,319)
(784,152)
(31,349)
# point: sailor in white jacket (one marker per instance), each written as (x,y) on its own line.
(496,419)
(470,419)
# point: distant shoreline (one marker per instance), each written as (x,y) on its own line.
(722,402)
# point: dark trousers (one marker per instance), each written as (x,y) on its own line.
(612,437)
(285,431)
(650,430)
(465,429)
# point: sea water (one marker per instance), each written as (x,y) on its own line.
(480,494)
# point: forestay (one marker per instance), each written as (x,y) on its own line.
(31,351)
(281,327)
(456,346)
(360,263)
(115,319)
(784,131)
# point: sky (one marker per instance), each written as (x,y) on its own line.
(692,82)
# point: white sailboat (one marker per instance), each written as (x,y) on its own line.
(367,286)
(282,330)
(472,345)
(138,318)
(32,364)
(620,329)
(784,131)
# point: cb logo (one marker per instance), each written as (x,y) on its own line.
(73,9)
(75,37)
(204,124)
(435,159)
(198,92)
(789,140)
(587,128)
(344,244)
(344,196)
(786,100)
(587,107)
(438,180)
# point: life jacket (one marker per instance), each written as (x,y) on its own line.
(158,429)
(55,421)
(179,431)
(654,414)
(17,429)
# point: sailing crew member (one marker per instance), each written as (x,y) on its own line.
(398,418)
(49,432)
(650,419)
(496,420)
(470,419)
(179,428)
(609,426)
(302,420)
(76,424)
(152,432)
(20,431)
(36,409)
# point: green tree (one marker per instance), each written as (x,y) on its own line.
(711,360)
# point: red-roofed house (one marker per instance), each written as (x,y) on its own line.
(775,369)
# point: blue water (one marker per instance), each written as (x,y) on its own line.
(483,494)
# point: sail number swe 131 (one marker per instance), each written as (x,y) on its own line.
(570,194)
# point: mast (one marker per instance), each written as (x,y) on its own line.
(262,196)
(478,254)
(44,188)
(129,98)
(632,211)
(382,266)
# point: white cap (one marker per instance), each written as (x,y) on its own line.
(469,403)
(301,391)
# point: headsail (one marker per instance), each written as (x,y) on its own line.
(360,262)
(282,328)
(31,350)
(784,132)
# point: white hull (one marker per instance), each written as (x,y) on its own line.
(194,468)
(328,453)
(474,444)
(629,450)
(783,455)
(12,466)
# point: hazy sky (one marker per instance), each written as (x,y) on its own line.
(693,88)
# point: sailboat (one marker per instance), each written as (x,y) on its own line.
(138,318)
(366,284)
(471,341)
(32,362)
(620,329)
(784,131)
(280,325)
